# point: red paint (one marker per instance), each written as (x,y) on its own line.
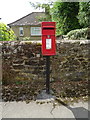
(48,38)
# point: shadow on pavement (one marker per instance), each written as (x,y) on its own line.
(80,113)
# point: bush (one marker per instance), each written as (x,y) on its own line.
(84,14)
(65,15)
(78,34)
(6,33)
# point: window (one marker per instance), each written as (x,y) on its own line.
(36,31)
(21,32)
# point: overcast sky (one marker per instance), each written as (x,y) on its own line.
(11,10)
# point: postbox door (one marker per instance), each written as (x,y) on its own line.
(48,45)
(48,38)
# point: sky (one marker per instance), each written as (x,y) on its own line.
(11,10)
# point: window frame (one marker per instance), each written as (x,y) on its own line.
(34,29)
(21,28)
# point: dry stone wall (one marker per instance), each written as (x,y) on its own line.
(24,63)
(24,60)
(70,69)
(71,62)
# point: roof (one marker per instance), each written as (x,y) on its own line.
(30,19)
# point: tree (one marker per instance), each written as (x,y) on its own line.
(84,14)
(46,7)
(6,34)
(65,14)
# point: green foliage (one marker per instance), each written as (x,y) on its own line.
(65,14)
(78,34)
(26,38)
(84,14)
(6,34)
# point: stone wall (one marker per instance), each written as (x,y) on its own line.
(23,62)
(70,69)
(71,62)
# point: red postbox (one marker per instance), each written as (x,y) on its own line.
(48,38)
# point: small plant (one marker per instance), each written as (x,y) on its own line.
(39,44)
(26,38)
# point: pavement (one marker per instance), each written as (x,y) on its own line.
(44,107)
(45,110)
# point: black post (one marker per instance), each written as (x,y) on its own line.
(47,74)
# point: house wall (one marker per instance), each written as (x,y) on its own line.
(16,30)
(26,32)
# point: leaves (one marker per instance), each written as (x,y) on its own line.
(78,34)
(64,13)
(22,92)
(6,34)
(84,14)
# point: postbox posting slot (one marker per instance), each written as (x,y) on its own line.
(45,28)
(48,30)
